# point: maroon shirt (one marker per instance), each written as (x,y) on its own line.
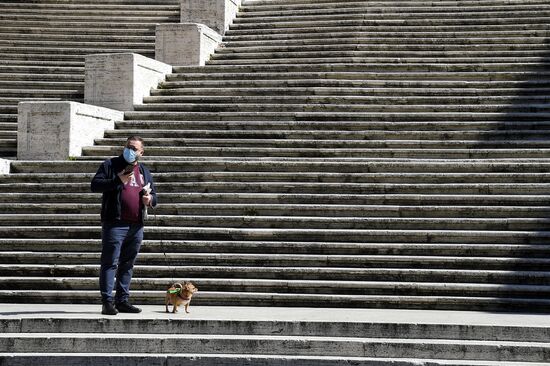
(131,199)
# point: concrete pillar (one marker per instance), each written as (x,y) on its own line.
(59,130)
(186,44)
(120,80)
(5,165)
(216,14)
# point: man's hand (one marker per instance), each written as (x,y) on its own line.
(147,199)
(125,178)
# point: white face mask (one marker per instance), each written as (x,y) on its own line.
(130,155)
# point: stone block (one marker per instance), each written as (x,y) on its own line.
(4,166)
(59,130)
(216,14)
(185,44)
(120,80)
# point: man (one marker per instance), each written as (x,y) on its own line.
(123,182)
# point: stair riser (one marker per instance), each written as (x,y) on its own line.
(517,264)
(281,328)
(269,346)
(174,273)
(310,289)
(228,299)
(281,247)
(304,188)
(361,235)
(257,210)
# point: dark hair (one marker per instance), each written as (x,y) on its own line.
(135,138)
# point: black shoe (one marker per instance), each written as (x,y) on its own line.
(108,309)
(126,307)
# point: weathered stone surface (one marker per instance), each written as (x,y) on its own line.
(119,81)
(186,44)
(59,130)
(216,14)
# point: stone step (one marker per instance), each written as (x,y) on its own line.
(127,24)
(397,67)
(281,198)
(95,2)
(72,94)
(9,118)
(86,19)
(63,29)
(350,75)
(294,260)
(363,166)
(328,144)
(361,49)
(373,54)
(380,40)
(6,109)
(221,209)
(373,28)
(252,13)
(8,44)
(115,13)
(8,126)
(504,116)
(299,88)
(9,101)
(69,52)
(360,152)
(256,6)
(373,34)
(108,38)
(18,359)
(323,126)
(345,135)
(45,70)
(538,20)
(482,279)
(366,13)
(176,247)
(487,85)
(306,188)
(173,102)
(414,60)
(37,6)
(332,235)
(314,177)
(286,287)
(345,224)
(41,63)
(260,321)
(384,106)
(301,300)
(41,77)
(45,84)
(264,345)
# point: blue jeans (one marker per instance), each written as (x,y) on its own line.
(120,247)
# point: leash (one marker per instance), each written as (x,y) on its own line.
(162,248)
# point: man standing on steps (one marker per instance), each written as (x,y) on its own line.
(128,190)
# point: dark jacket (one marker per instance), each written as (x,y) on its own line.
(106,181)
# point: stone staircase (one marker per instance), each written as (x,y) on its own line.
(43,44)
(216,336)
(384,154)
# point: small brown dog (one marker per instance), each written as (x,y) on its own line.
(178,295)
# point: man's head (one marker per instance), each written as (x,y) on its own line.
(134,146)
